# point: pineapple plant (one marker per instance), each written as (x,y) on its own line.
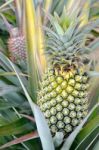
(63,97)
(58,99)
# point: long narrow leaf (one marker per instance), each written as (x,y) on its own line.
(42,126)
(6,4)
(24,138)
(31,41)
(8,68)
(11,6)
(6,105)
(96,146)
(40,40)
(89,140)
(73,135)
(86,132)
(95,44)
(5,89)
(15,127)
(18,4)
(11,74)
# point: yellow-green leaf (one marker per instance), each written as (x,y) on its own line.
(31,41)
(40,40)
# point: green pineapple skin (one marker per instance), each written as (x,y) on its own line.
(63,99)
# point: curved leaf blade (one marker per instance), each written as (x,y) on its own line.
(86,132)
(24,138)
(96,146)
(43,129)
(73,135)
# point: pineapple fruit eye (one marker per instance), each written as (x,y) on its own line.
(64,94)
(71,82)
(78,78)
(64,84)
(58,89)
(69,89)
(53,102)
(59,116)
(70,98)
(59,99)
(68,128)
(53,120)
(51,78)
(53,128)
(59,80)
(54,84)
(71,106)
(63,99)
(65,103)
(65,111)
(78,86)
(60,124)
(53,111)
(74,122)
(67,120)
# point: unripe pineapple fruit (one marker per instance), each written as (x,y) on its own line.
(63,96)
(17,46)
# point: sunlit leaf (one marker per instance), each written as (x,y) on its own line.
(31,41)
(40,41)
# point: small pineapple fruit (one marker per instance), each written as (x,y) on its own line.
(17,46)
(63,96)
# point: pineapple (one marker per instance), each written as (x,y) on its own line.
(16,45)
(16,42)
(63,96)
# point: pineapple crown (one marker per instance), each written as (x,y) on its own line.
(13,31)
(66,37)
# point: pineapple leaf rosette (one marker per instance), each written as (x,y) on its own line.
(63,96)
